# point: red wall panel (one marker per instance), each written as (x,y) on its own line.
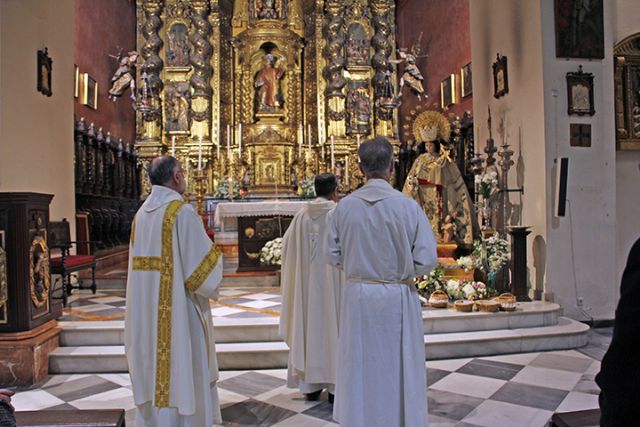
(447,41)
(103,27)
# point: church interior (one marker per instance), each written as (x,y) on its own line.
(515,127)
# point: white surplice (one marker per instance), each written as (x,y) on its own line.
(173,271)
(311,291)
(382,240)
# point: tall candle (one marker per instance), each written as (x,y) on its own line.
(200,154)
(333,163)
(346,170)
(322,150)
(218,143)
(240,141)
(309,135)
(173,146)
(187,176)
(228,142)
(300,139)
(358,139)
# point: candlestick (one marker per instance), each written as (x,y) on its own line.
(309,135)
(333,163)
(200,154)
(173,146)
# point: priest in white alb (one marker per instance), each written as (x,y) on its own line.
(173,271)
(382,240)
(311,291)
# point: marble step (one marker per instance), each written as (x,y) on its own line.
(265,329)
(567,334)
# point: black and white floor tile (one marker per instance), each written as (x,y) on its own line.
(510,391)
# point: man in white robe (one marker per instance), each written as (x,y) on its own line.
(173,271)
(382,240)
(311,295)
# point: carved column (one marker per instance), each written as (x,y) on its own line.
(382,15)
(90,164)
(335,62)
(80,160)
(107,160)
(152,62)
(99,178)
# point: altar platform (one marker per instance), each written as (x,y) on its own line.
(246,330)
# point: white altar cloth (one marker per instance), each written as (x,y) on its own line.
(266,208)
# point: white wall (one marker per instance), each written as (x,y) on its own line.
(513,30)
(625,18)
(36,132)
(585,240)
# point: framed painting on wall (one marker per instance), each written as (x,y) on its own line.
(76,81)
(447,91)
(89,91)
(579,29)
(580,93)
(465,81)
(500,77)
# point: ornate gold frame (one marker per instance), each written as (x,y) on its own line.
(39,242)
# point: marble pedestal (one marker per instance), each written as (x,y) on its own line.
(24,356)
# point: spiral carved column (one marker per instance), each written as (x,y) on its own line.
(152,62)
(334,55)
(381,10)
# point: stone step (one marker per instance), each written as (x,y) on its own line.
(265,329)
(567,334)
(229,280)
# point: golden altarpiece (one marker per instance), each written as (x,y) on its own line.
(265,92)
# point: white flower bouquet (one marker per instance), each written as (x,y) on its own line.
(430,283)
(491,255)
(469,290)
(271,252)
(228,189)
(307,188)
(487,184)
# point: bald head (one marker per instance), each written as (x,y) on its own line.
(166,171)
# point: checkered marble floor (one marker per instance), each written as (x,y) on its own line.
(109,304)
(513,390)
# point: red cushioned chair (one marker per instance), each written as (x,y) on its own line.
(65,264)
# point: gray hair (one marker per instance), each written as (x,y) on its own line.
(161,169)
(376,156)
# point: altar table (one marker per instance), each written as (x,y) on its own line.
(258,223)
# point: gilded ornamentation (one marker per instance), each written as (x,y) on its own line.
(431,125)
(39,276)
(201,56)
(382,10)
(178,48)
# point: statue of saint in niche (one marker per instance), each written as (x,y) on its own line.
(267,83)
(267,9)
(358,110)
(357,46)
(177,107)
(178,49)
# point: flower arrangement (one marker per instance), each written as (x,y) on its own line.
(434,281)
(307,188)
(498,253)
(228,189)
(487,183)
(470,290)
(271,252)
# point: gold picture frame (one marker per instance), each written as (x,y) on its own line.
(89,91)
(466,88)
(448,91)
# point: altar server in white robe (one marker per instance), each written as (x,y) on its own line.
(311,295)
(382,240)
(173,271)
